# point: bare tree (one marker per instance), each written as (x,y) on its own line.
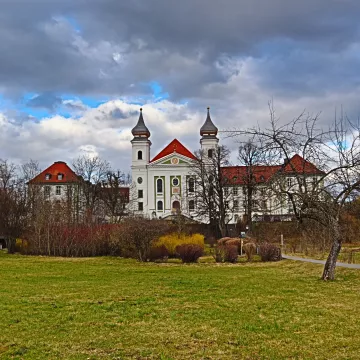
(115,196)
(213,202)
(93,171)
(314,192)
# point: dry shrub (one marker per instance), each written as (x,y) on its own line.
(223,240)
(269,252)
(189,253)
(173,240)
(226,253)
(158,253)
(250,250)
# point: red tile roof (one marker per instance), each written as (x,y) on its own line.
(174,147)
(58,167)
(237,175)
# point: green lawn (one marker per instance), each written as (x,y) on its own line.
(110,308)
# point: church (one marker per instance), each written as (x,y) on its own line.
(164,185)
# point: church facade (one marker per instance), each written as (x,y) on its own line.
(163,184)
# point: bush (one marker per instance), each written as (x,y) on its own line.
(226,253)
(250,250)
(173,240)
(189,253)
(269,252)
(158,253)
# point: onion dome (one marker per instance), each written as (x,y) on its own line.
(208,129)
(140,129)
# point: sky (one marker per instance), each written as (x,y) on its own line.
(73,74)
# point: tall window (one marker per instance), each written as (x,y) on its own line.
(139,155)
(226,191)
(210,153)
(289,182)
(159,185)
(58,190)
(140,206)
(140,194)
(191,205)
(160,206)
(236,205)
(47,191)
(191,185)
(235,191)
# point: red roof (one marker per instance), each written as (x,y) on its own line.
(237,174)
(58,167)
(174,147)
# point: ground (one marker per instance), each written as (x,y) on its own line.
(111,308)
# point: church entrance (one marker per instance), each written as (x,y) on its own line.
(176,207)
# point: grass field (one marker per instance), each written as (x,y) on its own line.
(110,308)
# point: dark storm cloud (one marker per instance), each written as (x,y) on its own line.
(113,47)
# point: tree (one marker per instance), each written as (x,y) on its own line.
(336,153)
(213,202)
(114,196)
(250,156)
(13,204)
(93,171)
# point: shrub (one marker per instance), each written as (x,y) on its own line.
(269,252)
(226,253)
(250,250)
(158,253)
(189,253)
(223,240)
(173,240)
(231,253)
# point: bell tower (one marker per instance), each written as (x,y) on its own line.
(208,132)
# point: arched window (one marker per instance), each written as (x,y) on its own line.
(159,185)
(191,205)
(139,155)
(160,206)
(210,153)
(191,185)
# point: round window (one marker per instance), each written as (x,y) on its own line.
(175,181)
(139,180)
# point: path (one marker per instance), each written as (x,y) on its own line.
(296,258)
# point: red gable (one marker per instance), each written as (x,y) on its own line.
(174,147)
(237,174)
(50,175)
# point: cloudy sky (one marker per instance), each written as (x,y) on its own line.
(73,74)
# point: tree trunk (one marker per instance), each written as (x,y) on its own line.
(329,269)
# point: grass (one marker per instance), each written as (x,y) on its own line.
(111,308)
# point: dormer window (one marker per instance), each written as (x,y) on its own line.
(60,176)
(47,176)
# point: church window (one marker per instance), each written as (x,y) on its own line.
(160,206)
(140,206)
(159,185)
(139,154)
(139,180)
(140,194)
(175,181)
(236,205)
(191,185)
(191,205)
(210,153)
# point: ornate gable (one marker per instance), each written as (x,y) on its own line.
(175,147)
